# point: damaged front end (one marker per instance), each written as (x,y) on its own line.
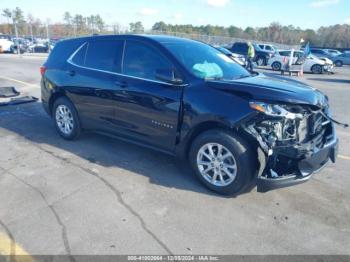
(297,141)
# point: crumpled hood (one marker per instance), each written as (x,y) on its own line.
(274,89)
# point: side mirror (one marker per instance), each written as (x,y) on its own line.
(168,75)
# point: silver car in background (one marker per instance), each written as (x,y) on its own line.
(343,59)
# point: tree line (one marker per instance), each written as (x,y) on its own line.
(337,36)
(72,25)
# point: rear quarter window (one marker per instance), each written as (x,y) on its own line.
(79,57)
(62,51)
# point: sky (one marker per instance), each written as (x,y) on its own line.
(303,13)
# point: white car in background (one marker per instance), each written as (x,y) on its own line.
(312,63)
(269,48)
(7,46)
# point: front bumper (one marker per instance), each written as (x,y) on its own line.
(328,68)
(306,168)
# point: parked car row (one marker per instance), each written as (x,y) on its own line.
(10,44)
(337,57)
(261,56)
(317,62)
(312,64)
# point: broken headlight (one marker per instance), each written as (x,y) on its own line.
(274,110)
(282,122)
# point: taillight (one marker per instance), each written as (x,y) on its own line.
(42,70)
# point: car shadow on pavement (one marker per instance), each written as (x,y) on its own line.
(32,123)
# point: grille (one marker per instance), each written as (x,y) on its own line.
(319,129)
(315,124)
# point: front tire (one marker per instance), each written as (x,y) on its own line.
(338,63)
(316,69)
(66,119)
(276,66)
(222,161)
(261,61)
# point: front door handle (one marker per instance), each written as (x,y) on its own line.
(121,84)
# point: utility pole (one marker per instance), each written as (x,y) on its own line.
(48,37)
(31,31)
(17,42)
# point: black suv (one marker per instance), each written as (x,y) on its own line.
(261,56)
(188,99)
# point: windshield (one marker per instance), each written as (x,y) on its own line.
(205,61)
(313,57)
(334,52)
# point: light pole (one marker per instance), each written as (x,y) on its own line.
(31,31)
(48,37)
(17,42)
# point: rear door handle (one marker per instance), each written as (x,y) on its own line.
(71,72)
(121,84)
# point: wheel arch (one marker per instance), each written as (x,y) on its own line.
(54,97)
(184,146)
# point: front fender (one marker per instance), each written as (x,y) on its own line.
(208,108)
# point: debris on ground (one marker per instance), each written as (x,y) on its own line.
(10,96)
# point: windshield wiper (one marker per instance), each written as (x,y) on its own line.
(242,76)
(213,78)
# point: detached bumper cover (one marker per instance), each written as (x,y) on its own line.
(328,67)
(307,167)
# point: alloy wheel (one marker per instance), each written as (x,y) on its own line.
(64,119)
(216,164)
(276,66)
(317,69)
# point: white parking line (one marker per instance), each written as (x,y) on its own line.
(344,157)
(18,81)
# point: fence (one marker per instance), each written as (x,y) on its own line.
(61,31)
(217,40)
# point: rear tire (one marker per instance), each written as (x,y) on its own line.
(226,168)
(66,119)
(276,66)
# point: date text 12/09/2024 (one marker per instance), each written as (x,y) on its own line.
(173,258)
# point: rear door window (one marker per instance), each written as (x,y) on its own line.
(105,55)
(143,61)
(284,53)
(298,54)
